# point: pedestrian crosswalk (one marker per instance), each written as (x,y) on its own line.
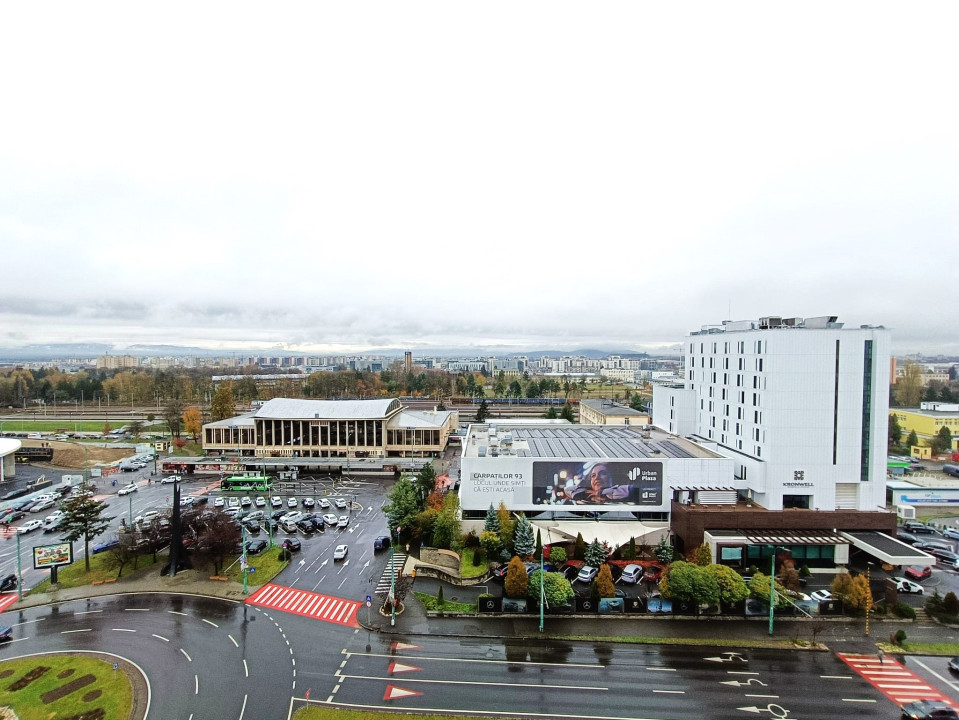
(6,600)
(893,679)
(307,604)
(397,561)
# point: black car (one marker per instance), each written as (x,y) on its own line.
(277,514)
(8,583)
(6,633)
(918,528)
(252,527)
(255,547)
(929,710)
(306,526)
(292,544)
(381,543)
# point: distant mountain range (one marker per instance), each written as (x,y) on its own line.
(64,351)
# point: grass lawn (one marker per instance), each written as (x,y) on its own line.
(267,564)
(73,684)
(330,713)
(918,648)
(430,603)
(67,426)
(467,569)
(75,575)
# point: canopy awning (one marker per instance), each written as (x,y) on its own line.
(888,549)
(614,533)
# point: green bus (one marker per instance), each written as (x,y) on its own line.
(239,482)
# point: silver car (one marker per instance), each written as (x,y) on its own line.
(632,574)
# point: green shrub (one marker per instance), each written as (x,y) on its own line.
(900,637)
(950,604)
(902,610)
(557,555)
(804,571)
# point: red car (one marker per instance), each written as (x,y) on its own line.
(652,573)
(915,572)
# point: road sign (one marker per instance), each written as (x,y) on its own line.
(369,598)
(251,570)
(368,603)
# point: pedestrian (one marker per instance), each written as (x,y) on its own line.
(881,660)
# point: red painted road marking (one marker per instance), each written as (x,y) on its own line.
(893,679)
(396,667)
(7,600)
(395,693)
(307,604)
(405,646)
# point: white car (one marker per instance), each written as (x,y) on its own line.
(343,521)
(218,502)
(44,505)
(54,516)
(821,595)
(146,517)
(340,503)
(31,525)
(291,502)
(260,501)
(170,479)
(340,552)
(324,503)
(245,501)
(234,502)
(276,502)
(131,488)
(330,519)
(907,586)
(292,517)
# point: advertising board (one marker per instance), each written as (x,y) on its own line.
(47,556)
(524,484)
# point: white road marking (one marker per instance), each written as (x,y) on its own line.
(88,612)
(246,668)
(175,612)
(160,637)
(196,688)
(189,659)
(65,632)
(243,708)
(861,700)
(209,622)
(488,684)
(232,640)
(122,630)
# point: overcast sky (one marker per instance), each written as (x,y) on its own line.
(337,176)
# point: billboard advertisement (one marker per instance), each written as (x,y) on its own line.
(47,556)
(524,484)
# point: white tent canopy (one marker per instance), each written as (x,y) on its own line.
(614,533)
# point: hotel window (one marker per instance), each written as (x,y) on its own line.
(725,363)
(725,378)
(742,363)
(755,399)
(742,398)
(739,428)
(726,347)
(710,406)
(726,411)
(710,391)
(724,393)
(714,378)
(739,413)
(755,382)
(739,381)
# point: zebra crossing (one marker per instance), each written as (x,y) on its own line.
(398,561)
(893,679)
(305,603)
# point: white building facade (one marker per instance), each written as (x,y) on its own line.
(800,405)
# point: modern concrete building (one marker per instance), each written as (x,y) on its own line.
(928,420)
(331,429)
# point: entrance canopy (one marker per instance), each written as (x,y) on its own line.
(614,533)
(888,549)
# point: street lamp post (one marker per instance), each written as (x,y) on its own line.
(772,586)
(868,594)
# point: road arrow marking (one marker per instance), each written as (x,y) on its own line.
(737,683)
(396,667)
(366,565)
(395,693)
(405,646)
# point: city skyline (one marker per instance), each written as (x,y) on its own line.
(333,180)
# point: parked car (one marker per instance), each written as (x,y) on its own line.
(632,574)
(288,526)
(381,543)
(587,574)
(6,633)
(929,710)
(255,547)
(918,528)
(340,552)
(820,596)
(907,537)
(218,502)
(234,502)
(8,583)
(43,505)
(569,572)
(954,664)
(306,526)
(276,502)
(951,533)
(169,479)
(330,519)
(291,502)
(291,544)
(324,503)
(907,586)
(127,489)
(246,501)
(308,502)
(252,526)
(652,573)
(293,517)
(945,556)
(105,545)
(260,501)
(256,515)
(340,503)
(342,522)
